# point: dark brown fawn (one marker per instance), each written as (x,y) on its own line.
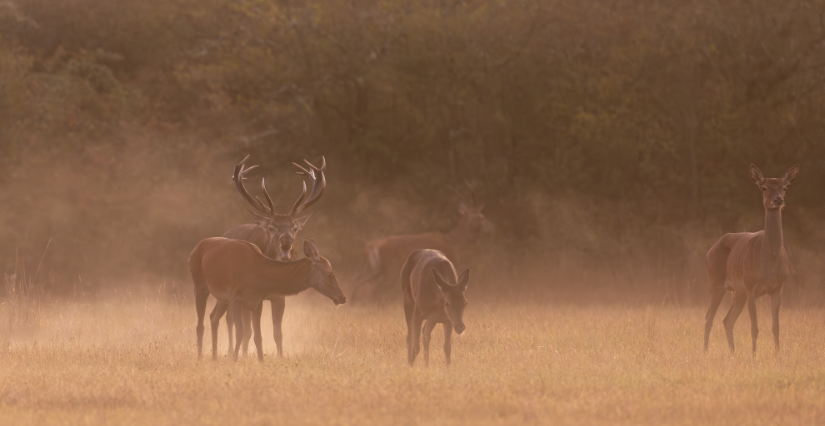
(432,295)
(386,255)
(239,276)
(751,264)
(274,234)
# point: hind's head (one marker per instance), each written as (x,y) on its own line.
(773,189)
(454,299)
(321,276)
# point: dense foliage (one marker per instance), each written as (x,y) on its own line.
(606,127)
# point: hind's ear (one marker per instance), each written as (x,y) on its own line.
(311,250)
(790,176)
(440,281)
(463,280)
(756,175)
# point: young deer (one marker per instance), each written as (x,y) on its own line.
(274,234)
(386,255)
(432,295)
(239,276)
(751,264)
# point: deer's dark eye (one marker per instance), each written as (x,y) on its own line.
(764,188)
(466,303)
(446,303)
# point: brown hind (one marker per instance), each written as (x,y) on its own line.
(274,234)
(386,255)
(432,295)
(751,264)
(239,276)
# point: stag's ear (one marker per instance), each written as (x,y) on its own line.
(301,221)
(756,175)
(463,280)
(440,281)
(464,209)
(790,176)
(311,250)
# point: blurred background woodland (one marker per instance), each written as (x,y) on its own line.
(610,140)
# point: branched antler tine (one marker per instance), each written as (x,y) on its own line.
(319,183)
(295,208)
(268,199)
(257,215)
(303,172)
(238,177)
(246,170)
(323,164)
(472,192)
(458,192)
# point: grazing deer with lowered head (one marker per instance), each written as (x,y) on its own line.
(240,277)
(274,234)
(432,295)
(751,264)
(386,255)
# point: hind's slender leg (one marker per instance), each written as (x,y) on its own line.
(409,310)
(429,325)
(776,300)
(236,308)
(448,334)
(715,299)
(752,315)
(415,347)
(215,319)
(200,307)
(278,306)
(256,324)
(230,329)
(247,330)
(736,306)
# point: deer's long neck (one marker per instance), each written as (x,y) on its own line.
(287,277)
(772,247)
(462,234)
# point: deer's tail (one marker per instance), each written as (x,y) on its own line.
(406,271)
(717,259)
(196,269)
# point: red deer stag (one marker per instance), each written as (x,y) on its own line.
(386,255)
(274,234)
(432,295)
(751,264)
(239,276)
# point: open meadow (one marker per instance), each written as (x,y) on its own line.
(132,360)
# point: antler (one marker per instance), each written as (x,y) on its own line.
(472,192)
(473,201)
(238,176)
(319,183)
(315,174)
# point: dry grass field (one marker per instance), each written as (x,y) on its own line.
(132,360)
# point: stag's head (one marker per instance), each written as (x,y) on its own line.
(453,295)
(472,219)
(773,189)
(280,229)
(321,276)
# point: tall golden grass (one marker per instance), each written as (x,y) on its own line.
(131,359)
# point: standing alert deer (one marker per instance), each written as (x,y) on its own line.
(751,264)
(386,255)
(432,295)
(274,234)
(239,276)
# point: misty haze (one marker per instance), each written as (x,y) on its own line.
(412,212)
